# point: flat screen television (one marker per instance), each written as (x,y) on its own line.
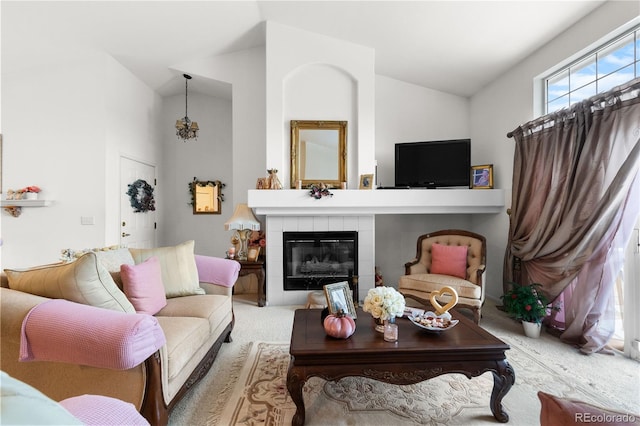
(433,164)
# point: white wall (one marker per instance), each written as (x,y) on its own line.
(319,92)
(508,102)
(59,133)
(408,113)
(313,77)
(245,71)
(208,158)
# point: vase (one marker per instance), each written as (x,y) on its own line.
(391,331)
(30,195)
(531,329)
(379,325)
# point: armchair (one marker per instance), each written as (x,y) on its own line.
(453,258)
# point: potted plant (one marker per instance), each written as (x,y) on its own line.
(528,304)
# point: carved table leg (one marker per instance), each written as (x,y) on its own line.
(503,379)
(295,383)
(262,298)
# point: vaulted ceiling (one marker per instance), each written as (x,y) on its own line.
(453,46)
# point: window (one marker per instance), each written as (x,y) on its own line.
(610,65)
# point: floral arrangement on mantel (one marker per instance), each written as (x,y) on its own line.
(527,303)
(319,190)
(384,303)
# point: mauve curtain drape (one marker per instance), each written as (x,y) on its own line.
(575,198)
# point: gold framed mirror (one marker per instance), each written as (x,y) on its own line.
(318,152)
(206,197)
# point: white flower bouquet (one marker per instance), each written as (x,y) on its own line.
(384,303)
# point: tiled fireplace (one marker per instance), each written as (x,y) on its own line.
(276,266)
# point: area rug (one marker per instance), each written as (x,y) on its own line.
(257,395)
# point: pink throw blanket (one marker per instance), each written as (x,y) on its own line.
(63,331)
(217,270)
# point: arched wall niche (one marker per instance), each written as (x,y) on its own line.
(321,92)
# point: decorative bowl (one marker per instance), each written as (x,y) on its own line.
(431,322)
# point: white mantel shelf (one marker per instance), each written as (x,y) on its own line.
(344,202)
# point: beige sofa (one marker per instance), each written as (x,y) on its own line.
(195,322)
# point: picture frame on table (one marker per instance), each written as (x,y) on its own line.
(252,253)
(339,298)
(366,181)
(482,177)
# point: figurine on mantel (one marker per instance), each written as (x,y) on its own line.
(273,181)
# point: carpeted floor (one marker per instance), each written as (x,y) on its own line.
(246,383)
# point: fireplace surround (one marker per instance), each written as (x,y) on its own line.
(352,210)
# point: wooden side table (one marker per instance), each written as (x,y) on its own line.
(256,268)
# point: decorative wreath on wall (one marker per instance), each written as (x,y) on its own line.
(141,196)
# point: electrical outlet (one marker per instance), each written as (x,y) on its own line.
(87,220)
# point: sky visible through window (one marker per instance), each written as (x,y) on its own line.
(611,65)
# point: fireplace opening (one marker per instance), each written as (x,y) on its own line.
(313,259)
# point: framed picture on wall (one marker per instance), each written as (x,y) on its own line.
(482,177)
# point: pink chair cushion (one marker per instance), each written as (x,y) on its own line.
(143,286)
(103,410)
(449,260)
(63,331)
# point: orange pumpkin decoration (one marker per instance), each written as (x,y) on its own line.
(339,325)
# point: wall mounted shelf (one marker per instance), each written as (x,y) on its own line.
(14,207)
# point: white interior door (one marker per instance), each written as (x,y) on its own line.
(137,230)
(632,296)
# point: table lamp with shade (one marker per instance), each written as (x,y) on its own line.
(243,222)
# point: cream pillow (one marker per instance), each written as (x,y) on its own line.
(178,267)
(25,405)
(84,281)
(113,259)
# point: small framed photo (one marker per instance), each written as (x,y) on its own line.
(482,177)
(366,181)
(252,253)
(339,299)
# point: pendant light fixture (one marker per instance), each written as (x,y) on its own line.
(185,128)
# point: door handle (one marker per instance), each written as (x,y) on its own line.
(124,234)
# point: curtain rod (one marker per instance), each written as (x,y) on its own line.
(616,92)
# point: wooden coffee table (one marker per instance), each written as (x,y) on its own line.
(417,356)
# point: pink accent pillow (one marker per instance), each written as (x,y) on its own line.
(563,411)
(143,286)
(448,260)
